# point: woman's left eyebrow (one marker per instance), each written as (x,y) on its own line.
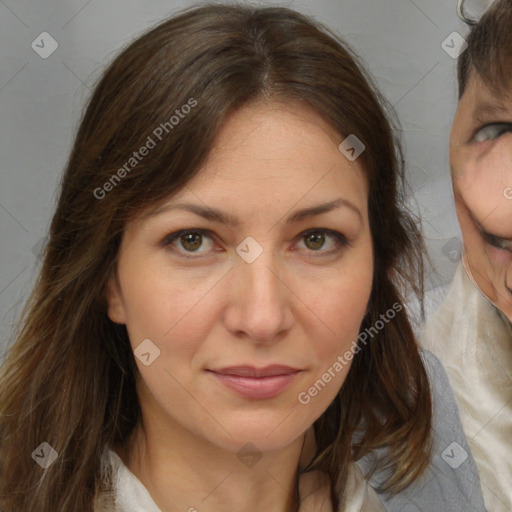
(318,209)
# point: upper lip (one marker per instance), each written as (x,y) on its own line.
(251,371)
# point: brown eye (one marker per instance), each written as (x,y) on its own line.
(315,240)
(191,241)
(318,239)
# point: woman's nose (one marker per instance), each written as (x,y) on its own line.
(260,303)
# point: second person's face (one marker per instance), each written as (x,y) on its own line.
(481,163)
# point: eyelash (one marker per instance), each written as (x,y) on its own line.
(495,242)
(503,127)
(342,241)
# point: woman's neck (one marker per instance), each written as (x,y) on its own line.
(185,473)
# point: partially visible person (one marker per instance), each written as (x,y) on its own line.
(471,332)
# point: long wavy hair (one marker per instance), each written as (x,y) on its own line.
(69,375)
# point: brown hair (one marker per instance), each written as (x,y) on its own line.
(69,378)
(489,50)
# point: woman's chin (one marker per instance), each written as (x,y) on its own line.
(259,437)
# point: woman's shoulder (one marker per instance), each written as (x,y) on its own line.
(451,481)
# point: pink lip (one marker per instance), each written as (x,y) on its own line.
(256,383)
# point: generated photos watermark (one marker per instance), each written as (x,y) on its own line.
(146,352)
(45,455)
(151,142)
(454,45)
(344,360)
(454,455)
(351,147)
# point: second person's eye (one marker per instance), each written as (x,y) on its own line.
(491,131)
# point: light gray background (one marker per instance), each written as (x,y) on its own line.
(41,101)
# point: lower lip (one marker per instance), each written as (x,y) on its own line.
(256,387)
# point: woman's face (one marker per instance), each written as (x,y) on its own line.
(250,283)
(481,161)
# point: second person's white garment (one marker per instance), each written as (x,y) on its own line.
(473,340)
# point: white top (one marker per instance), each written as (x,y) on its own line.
(473,340)
(130,495)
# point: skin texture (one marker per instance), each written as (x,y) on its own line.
(481,162)
(294,305)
